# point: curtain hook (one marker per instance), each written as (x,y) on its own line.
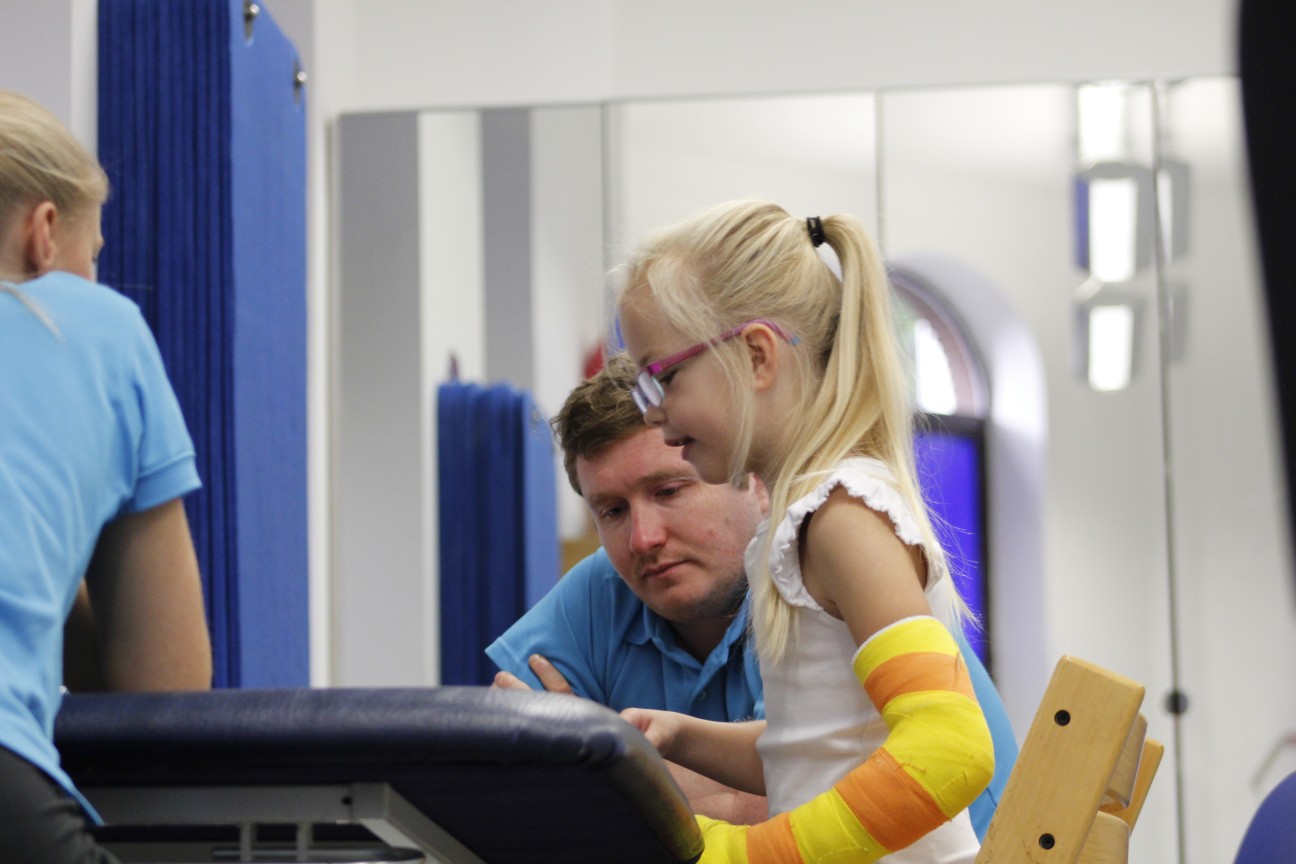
(250,12)
(299,79)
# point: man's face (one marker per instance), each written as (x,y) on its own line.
(676,541)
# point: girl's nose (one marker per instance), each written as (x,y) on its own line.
(654,416)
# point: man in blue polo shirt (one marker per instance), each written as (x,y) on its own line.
(657,614)
(656,618)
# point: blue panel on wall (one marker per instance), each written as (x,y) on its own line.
(950,473)
(268,202)
(457,438)
(498,529)
(498,521)
(205,229)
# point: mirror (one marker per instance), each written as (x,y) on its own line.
(1139,528)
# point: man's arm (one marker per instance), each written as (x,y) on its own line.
(561,628)
(550,678)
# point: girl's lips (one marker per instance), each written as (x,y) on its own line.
(679,442)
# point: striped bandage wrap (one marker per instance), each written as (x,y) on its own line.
(939,755)
(935,761)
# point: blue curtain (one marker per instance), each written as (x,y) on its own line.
(202,133)
(498,520)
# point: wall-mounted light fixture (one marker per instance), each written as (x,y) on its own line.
(1105,340)
(1113,206)
(1113,215)
(1118,201)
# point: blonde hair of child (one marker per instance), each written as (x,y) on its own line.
(751,259)
(40,160)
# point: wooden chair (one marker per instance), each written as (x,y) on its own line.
(1082,774)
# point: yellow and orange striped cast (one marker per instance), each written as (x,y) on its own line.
(938,756)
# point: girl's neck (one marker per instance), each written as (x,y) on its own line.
(14,266)
(772,434)
(769,476)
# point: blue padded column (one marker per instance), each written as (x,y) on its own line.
(457,458)
(498,520)
(500,501)
(204,144)
(268,211)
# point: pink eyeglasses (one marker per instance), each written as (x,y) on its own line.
(648,391)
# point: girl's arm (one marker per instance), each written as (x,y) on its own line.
(147,603)
(725,752)
(938,755)
(82,668)
(857,569)
(709,798)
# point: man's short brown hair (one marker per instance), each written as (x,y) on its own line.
(597,414)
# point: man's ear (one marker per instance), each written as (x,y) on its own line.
(761,344)
(39,246)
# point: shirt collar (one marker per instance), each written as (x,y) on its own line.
(652,627)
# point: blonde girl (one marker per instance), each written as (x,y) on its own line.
(754,356)
(94,458)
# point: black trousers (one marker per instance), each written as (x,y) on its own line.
(39,822)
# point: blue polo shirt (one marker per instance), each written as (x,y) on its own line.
(90,429)
(614,650)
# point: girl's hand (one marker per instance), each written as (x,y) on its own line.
(661,728)
(724,752)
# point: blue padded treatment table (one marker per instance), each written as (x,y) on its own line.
(460,773)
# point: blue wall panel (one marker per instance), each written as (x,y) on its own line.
(498,520)
(204,145)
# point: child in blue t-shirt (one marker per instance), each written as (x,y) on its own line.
(94,461)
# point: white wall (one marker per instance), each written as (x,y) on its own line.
(401,54)
(568,262)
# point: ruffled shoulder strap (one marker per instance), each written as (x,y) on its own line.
(866,479)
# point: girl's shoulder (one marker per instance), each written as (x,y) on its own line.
(863,478)
(867,480)
(96,317)
(69,287)
(70,300)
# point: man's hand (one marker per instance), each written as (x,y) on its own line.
(549,676)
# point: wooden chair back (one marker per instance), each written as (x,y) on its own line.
(1081,776)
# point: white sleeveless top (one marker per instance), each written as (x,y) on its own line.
(820,722)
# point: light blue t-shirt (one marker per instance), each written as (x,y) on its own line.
(612,649)
(90,429)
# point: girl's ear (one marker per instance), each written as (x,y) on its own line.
(762,351)
(39,246)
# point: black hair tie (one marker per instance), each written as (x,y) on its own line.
(815,227)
